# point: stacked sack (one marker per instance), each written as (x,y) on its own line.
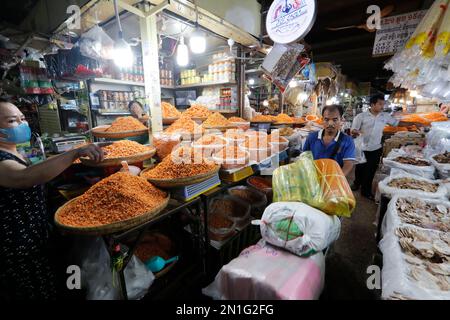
(289,263)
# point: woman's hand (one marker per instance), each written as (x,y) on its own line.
(92,151)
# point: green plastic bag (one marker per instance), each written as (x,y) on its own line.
(298,182)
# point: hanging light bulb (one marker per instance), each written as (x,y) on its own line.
(122,54)
(251,81)
(182,53)
(265,103)
(197,42)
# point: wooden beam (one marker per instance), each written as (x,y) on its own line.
(131,9)
(104,10)
(158,8)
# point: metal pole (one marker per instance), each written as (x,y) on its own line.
(241,79)
(150,61)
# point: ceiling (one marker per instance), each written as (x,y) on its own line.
(351,49)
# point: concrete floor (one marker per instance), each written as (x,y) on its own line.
(347,261)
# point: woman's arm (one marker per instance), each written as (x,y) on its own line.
(16,175)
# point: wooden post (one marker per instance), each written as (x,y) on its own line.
(150,44)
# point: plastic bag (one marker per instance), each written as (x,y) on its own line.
(400,271)
(298,228)
(443,168)
(283,63)
(359,149)
(298,182)
(393,220)
(164,144)
(338,198)
(264,272)
(422,171)
(320,184)
(100,281)
(386,189)
(96,44)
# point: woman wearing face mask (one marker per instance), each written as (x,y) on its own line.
(25,271)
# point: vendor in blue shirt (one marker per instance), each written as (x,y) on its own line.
(331,143)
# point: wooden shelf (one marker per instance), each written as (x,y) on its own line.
(209,84)
(120,82)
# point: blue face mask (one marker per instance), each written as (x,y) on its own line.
(19,134)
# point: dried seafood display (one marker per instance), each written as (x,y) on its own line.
(287,132)
(443,158)
(411,183)
(427,255)
(197,111)
(424,214)
(169,111)
(216,120)
(122,124)
(413,161)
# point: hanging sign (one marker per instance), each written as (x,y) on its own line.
(290,20)
(395,31)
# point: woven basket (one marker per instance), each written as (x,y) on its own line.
(199,120)
(118,161)
(181,182)
(112,227)
(100,132)
(222,129)
(169,120)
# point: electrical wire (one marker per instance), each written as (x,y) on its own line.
(116,10)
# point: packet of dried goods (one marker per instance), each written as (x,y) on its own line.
(283,63)
(338,198)
(298,182)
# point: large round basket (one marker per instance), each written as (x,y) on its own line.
(118,161)
(262,122)
(100,132)
(180,182)
(221,129)
(111,227)
(198,120)
(169,120)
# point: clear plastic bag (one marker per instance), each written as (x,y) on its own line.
(359,149)
(338,198)
(397,272)
(392,218)
(264,272)
(96,44)
(165,143)
(386,189)
(422,171)
(283,63)
(320,184)
(298,228)
(103,284)
(298,182)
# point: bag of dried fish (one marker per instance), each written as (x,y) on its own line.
(433,214)
(442,163)
(416,264)
(416,166)
(412,186)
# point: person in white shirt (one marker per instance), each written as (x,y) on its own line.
(370,125)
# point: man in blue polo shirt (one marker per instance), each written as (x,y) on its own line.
(331,143)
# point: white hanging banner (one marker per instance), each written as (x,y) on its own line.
(290,20)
